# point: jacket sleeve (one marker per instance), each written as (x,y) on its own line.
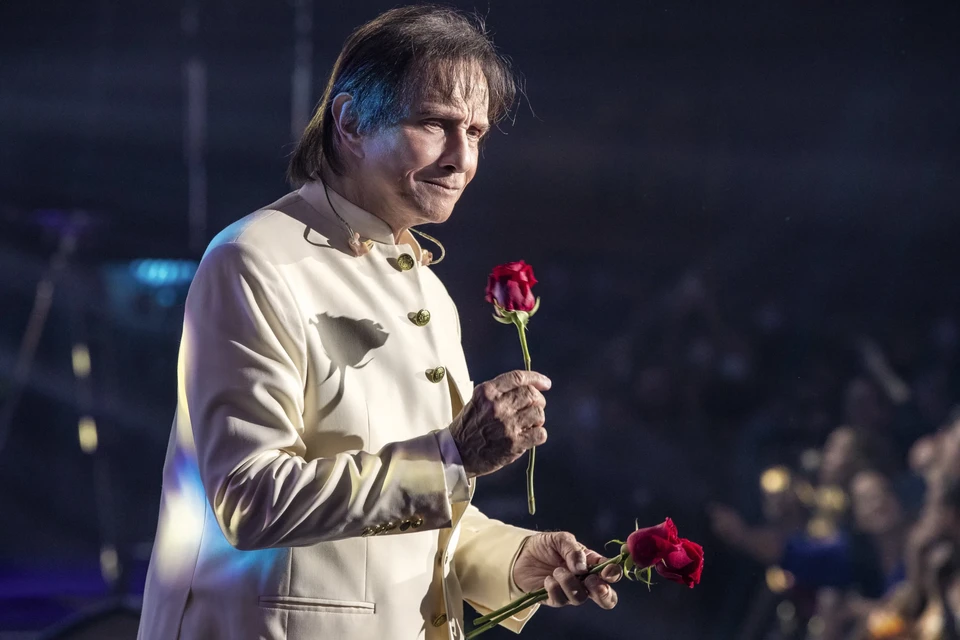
(483,561)
(243,368)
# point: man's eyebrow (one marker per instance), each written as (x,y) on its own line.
(441,111)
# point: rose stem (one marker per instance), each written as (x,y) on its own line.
(531,598)
(495,621)
(532,453)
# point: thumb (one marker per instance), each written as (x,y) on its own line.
(572,552)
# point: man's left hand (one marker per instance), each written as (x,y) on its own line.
(554,560)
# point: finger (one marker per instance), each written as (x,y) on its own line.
(594,558)
(518,378)
(573,553)
(530,417)
(555,595)
(573,589)
(612,573)
(521,398)
(532,437)
(600,592)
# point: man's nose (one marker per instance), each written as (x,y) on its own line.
(458,154)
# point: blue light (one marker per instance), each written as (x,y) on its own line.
(162,273)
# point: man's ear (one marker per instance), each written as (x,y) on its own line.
(346,123)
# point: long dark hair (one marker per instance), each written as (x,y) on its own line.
(386,63)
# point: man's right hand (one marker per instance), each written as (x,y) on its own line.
(504,418)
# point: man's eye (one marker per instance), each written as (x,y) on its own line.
(433,124)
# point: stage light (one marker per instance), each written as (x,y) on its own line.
(81,360)
(786,611)
(87,433)
(779,580)
(821,528)
(109,564)
(775,480)
(816,626)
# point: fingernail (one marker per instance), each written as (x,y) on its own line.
(581,565)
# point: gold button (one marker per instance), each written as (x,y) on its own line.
(388,526)
(405,262)
(436,375)
(404,525)
(440,620)
(420,318)
(416,522)
(367,532)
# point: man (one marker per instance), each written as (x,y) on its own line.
(322,461)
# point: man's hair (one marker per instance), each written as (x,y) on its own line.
(386,64)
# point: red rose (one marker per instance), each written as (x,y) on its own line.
(509,284)
(683,564)
(649,546)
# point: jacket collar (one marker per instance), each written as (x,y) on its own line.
(369,226)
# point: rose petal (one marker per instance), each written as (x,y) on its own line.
(649,545)
(683,564)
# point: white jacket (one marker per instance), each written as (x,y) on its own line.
(305,493)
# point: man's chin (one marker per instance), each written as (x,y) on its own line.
(435,213)
(436,217)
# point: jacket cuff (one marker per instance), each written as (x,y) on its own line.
(454,475)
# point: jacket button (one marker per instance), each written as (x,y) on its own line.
(420,318)
(405,262)
(416,522)
(436,375)
(367,532)
(404,525)
(388,526)
(440,620)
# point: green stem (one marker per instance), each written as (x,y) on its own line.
(518,604)
(532,454)
(533,597)
(523,344)
(490,624)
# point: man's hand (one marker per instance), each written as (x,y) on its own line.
(503,419)
(553,561)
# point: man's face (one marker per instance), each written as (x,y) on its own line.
(414,172)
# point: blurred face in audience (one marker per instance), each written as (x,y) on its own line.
(924,454)
(876,508)
(838,453)
(948,458)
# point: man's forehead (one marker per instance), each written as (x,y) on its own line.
(460,88)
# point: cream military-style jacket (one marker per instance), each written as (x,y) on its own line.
(306,491)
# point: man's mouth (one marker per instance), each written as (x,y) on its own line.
(442,185)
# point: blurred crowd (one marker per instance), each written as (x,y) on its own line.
(819,464)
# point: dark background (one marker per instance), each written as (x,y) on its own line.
(773,164)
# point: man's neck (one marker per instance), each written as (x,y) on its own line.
(351,191)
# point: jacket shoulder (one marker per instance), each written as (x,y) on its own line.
(271,228)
